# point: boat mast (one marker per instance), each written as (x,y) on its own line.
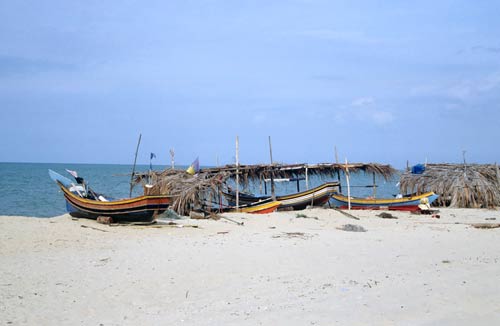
(133,168)
(273,191)
(237,174)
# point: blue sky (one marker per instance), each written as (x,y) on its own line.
(383,81)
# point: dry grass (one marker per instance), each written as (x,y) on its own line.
(199,191)
(458,185)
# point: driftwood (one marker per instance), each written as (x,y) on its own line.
(486,225)
(346,214)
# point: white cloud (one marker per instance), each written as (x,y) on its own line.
(462,90)
(365,109)
(362,101)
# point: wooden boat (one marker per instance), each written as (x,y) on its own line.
(84,203)
(314,197)
(409,203)
(261,207)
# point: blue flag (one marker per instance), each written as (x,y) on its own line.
(151,156)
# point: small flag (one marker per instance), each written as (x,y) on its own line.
(151,156)
(73,173)
(194,167)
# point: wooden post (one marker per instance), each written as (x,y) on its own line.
(498,175)
(348,185)
(237,173)
(307,177)
(465,164)
(374,186)
(273,190)
(172,158)
(133,168)
(338,170)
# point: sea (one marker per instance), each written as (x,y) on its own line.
(27,190)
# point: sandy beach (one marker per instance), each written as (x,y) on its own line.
(276,269)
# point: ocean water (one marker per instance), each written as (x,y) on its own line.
(27,190)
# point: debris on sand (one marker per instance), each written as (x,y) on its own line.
(352,228)
(386,215)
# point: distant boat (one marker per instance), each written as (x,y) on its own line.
(314,197)
(409,203)
(85,203)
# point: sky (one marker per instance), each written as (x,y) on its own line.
(379,81)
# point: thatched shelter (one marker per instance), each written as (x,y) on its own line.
(458,185)
(194,191)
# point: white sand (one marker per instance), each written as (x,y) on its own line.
(414,270)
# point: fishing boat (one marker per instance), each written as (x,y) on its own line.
(82,202)
(406,203)
(318,196)
(261,207)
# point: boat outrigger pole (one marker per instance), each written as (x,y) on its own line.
(133,168)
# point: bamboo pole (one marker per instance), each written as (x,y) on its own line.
(348,186)
(273,190)
(497,172)
(338,170)
(133,168)
(237,173)
(172,158)
(307,177)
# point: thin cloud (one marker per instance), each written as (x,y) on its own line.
(490,49)
(462,90)
(365,109)
(363,101)
(16,65)
(342,36)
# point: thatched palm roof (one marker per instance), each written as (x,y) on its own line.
(190,191)
(458,185)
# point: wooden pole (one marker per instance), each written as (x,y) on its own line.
(374,186)
(133,168)
(237,173)
(348,186)
(465,164)
(498,174)
(338,170)
(307,178)
(273,190)
(172,158)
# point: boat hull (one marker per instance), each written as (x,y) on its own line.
(401,204)
(263,207)
(138,209)
(318,196)
(314,197)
